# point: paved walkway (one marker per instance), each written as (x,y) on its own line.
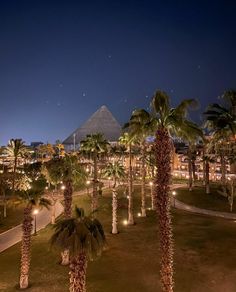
(13,235)
(182,206)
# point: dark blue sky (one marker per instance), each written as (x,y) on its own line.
(61,60)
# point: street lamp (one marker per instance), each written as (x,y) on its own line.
(109,178)
(63,188)
(35,212)
(174,194)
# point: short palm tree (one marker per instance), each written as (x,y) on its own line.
(140,126)
(116,172)
(32,199)
(166,120)
(94,145)
(84,238)
(15,150)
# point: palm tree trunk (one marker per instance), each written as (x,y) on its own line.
(14,175)
(78,267)
(162,203)
(27,227)
(68,199)
(130,192)
(190,172)
(95,178)
(114,210)
(223,169)
(143,207)
(65,256)
(207,181)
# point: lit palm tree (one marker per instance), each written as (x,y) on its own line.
(94,145)
(221,122)
(127,140)
(140,126)
(32,200)
(167,120)
(84,238)
(116,172)
(15,150)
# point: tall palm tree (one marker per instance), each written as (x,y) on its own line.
(127,140)
(32,199)
(15,150)
(140,126)
(94,145)
(84,238)
(116,172)
(167,120)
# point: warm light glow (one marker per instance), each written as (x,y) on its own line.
(139,214)
(88,182)
(174,193)
(125,222)
(109,178)
(151,183)
(127,197)
(35,212)
(63,187)
(46,188)
(87,169)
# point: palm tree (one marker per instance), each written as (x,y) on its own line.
(32,199)
(127,140)
(116,172)
(94,145)
(15,150)
(139,126)
(167,120)
(84,238)
(221,122)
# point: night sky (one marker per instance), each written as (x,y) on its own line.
(61,60)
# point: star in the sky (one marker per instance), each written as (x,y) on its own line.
(83,94)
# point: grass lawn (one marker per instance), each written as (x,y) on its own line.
(198,198)
(14,217)
(205,256)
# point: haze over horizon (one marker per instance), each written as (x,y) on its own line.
(61,60)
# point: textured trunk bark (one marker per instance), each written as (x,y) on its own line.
(162,203)
(223,169)
(204,166)
(78,266)
(14,175)
(27,227)
(68,198)
(68,192)
(194,170)
(114,210)
(95,178)
(190,173)
(130,190)
(143,195)
(207,181)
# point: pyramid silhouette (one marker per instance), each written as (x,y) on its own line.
(102,121)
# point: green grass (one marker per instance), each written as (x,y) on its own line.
(14,217)
(205,256)
(198,198)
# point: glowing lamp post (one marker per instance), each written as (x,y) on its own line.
(152,197)
(174,194)
(35,212)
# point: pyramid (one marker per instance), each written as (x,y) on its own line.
(102,121)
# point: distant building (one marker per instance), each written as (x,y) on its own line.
(102,121)
(35,144)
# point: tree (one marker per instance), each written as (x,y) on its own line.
(127,140)
(94,145)
(84,238)
(140,126)
(221,122)
(15,150)
(31,199)
(116,172)
(166,121)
